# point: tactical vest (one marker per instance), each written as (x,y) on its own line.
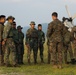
(33,33)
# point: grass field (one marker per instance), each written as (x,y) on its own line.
(39,69)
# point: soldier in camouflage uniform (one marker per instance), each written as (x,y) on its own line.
(21,45)
(16,39)
(55,36)
(2,21)
(67,45)
(49,47)
(10,45)
(41,41)
(32,41)
(49,53)
(74,41)
(49,44)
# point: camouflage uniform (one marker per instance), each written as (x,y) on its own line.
(49,53)
(16,41)
(55,36)
(21,46)
(74,41)
(10,45)
(67,44)
(41,41)
(49,47)
(1,39)
(32,42)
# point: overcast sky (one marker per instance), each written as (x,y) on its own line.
(36,10)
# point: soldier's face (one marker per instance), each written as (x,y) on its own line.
(3,20)
(10,20)
(32,26)
(14,26)
(40,28)
(54,18)
(19,30)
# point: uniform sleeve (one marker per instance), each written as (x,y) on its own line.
(27,37)
(0,33)
(72,34)
(43,38)
(23,35)
(16,37)
(64,30)
(49,30)
(6,31)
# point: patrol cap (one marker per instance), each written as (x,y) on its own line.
(19,27)
(2,16)
(32,23)
(10,17)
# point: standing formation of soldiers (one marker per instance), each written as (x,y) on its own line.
(11,42)
(59,41)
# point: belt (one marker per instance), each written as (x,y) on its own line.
(10,37)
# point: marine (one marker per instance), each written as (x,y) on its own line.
(9,43)
(55,36)
(16,39)
(2,21)
(49,45)
(74,41)
(41,41)
(20,45)
(32,42)
(68,38)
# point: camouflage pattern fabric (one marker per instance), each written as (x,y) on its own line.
(20,47)
(41,41)
(1,39)
(74,40)
(67,44)
(55,36)
(10,45)
(32,42)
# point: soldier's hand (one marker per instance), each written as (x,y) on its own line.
(27,45)
(3,42)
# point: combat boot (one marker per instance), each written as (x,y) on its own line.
(8,65)
(42,61)
(73,61)
(22,63)
(55,66)
(15,65)
(60,66)
(35,61)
